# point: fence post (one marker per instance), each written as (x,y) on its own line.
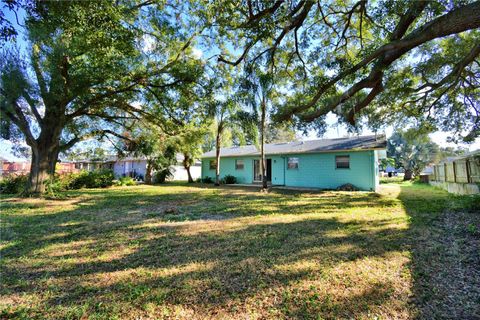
(445,172)
(467,164)
(454,172)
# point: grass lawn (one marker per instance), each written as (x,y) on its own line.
(196,252)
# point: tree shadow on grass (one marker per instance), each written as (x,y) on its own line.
(227,266)
(109,252)
(444,239)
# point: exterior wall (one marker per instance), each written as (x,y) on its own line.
(227,167)
(245,175)
(315,170)
(139,167)
(15,168)
(23,168)
(376,169)
(127,168)
(319,171)
(180,173)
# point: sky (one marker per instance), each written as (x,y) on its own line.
(333,131)
(439,137)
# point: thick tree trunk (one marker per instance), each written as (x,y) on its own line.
(148,173)
(45,150)
(263,168)
(53,161)
(190,179)
(217,155)
(44,159)
(186,165)
(408,174)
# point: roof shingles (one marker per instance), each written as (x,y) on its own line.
(311,146)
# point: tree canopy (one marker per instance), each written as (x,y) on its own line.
(412,150)
(88,72)
(94,69)
(370,62)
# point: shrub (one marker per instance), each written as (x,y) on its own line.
(54,186)
(13,184)
(207,179)
(126,181)
(162,175)
(229,179)
(91,179)
(347,187)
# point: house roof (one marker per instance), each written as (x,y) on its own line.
(311,146)
(179,157)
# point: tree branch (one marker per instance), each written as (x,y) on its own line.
(456,71)
(33,108)
(19,119)
(456,21)
(64,147)
(38,73)
(258,16)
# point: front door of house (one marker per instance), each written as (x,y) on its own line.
(257,175)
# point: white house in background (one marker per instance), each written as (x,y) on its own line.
(129,167)
(137,167)
(181,174)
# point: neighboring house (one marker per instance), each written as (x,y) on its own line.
(392,171)
(91,165)
(23,167)
(136,167)
(15,168)
(428,170)
(2,160)
(324,164)
(180,173)
(129,167)
(65,167)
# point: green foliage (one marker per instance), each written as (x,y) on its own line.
(162,175)
(93,153)
(387,162)
(126,181)
(88,62)
(412,149)
(207,179)
(278,133)
(57,184)
(343,57)
(89,179)
(13,184)
(229,179)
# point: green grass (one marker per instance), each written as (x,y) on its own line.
(196,252)
(384,180)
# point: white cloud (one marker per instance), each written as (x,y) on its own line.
(148,43)
(197,53)
(137,105)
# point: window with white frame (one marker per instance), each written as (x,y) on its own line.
(292,163)
(342,162)
(239,164)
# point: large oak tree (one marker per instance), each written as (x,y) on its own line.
(382,60)
(88,63)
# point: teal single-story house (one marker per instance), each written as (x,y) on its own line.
(323,164)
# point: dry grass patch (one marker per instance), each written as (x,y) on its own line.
(234,253)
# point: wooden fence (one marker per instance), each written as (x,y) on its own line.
(461,170)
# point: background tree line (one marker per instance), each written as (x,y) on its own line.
(128,72)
